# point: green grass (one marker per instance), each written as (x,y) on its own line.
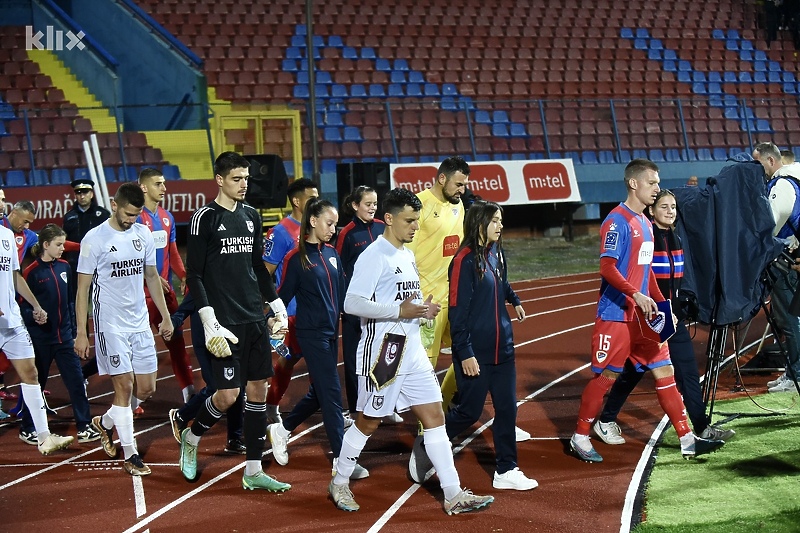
(751,484)
(547,257)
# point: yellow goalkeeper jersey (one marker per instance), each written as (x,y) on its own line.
(441,228)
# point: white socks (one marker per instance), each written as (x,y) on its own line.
(437,446)
(32,394)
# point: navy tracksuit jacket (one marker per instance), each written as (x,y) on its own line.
(481,327)
(319,291)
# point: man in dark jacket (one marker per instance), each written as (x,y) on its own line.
(84,215)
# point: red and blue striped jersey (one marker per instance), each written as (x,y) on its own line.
(162,224)
(627,237)
(282,239)
(24,240)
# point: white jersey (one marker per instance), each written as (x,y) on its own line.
(387,275)
(9,264)
(116,261)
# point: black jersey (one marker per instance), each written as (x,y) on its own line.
(223,263)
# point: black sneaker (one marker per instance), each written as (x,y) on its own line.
(236,447)
(702,446)
(28,437)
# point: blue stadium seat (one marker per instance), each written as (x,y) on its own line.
(431,89)
(655,155)
(358,90)
(7,112)
(731,44)
(684,65)
(395,90)
(745,45)
(298,41)
(656,44)
(774,77)
(670,54)
(704,154)
(449,89)
(759,66)
(718,34)
(639,154)
(335,41)
(449,103)
(760,55)
(790,88)
(762,126)
(626,33)
(60,176)
(714,88)
(302,77)
(348,52)
(746,55)
(171,172)
(500,116)
(642,33)
(729,77)
(788,77)
(300,91)
(640,44)
(338,91)
(414,90)
(500,130)
(397,76)
(293,52)
(698,76)
(401,64)
(699,88)
(382,64)
(670,66)
(15,178)
(334,119)
(732,113)
(518,130)
(39,177)
(672,155)
(605,157)
(332,134)
(132,173)
(351,133)
(327,166)
(732,34)
(289,65)
(684,76)
(518,157)
(760,77)
(415,76)
(301,29)
(376,91)
(624,156)
(589,158)
(714,76)
(110,174)
(482,117)
(654,55)
(719,154)
(774,66)
(368,53)
(324,77)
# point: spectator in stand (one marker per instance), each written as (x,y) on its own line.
(281,240)
(692,182)
(168,261)
(49,279)
(787,157)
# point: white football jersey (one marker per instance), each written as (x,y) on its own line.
(116,261)
(9,263)
(387,275)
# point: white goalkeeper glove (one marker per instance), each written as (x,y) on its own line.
(281,318)
(217,337)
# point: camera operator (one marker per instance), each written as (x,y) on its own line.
(783,190)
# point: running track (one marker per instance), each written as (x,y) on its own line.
(81,489)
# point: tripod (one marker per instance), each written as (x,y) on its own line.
(718,337)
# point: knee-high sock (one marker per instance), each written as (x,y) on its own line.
(178,356)
(123,421)
(280,382)
(255,428)
(207,416)
(592,401)
(449,388)
(352,444)
(439,452)
(672,404)
(32,394)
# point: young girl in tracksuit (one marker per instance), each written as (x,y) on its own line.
(351,241)
(483,343)
(313,276)
(49,278)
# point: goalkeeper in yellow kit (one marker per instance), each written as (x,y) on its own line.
(441,228)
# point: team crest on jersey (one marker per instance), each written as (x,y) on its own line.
(165,221)
(114,360)
(455,211)
(228,372)
(6,245)
(268,246)
(19,240)
(98,213)
(250,226)
(600,356)
(636,233)
(377,402)
(137,244)
(612,238)
(332,261)
(63,276)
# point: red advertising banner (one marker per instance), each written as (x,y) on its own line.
(504,182)
(183,198)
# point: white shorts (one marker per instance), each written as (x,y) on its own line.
(16,343)
(122,352)
(417,388)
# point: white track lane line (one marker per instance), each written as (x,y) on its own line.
(138,495)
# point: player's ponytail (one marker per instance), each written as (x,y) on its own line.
(314,208)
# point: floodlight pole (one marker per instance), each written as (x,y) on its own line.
(312,92)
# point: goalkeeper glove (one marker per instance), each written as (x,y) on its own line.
(217,337)
(281,318)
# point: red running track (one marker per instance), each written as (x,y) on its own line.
(81,489)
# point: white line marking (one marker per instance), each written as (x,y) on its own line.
(138,494)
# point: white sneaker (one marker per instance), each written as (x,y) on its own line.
(280,445)
(521,435)
(342,497)
(787,385)
(447,350)
(608,432)
(393,418)
(514,480)
(776,382)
